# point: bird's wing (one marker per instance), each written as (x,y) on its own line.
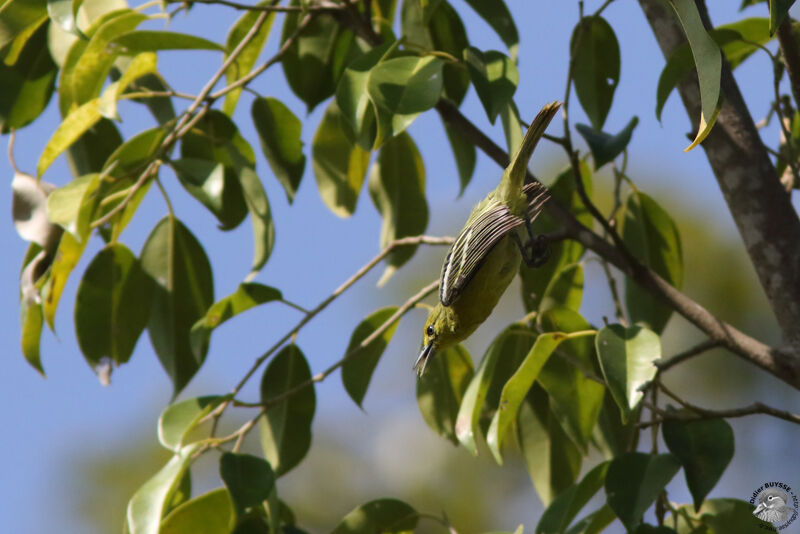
(471,247)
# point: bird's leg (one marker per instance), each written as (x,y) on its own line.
(536,251)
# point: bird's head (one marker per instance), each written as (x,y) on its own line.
(439,333)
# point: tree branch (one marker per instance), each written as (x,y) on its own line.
(781,364)
(791,56)
(761,209)
(700,348)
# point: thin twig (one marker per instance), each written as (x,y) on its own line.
(149,171)
(320,7)
(11,138)
(700,348)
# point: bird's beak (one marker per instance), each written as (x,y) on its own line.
(760,508)
(422,360)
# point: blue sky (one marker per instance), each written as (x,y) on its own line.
(47,420)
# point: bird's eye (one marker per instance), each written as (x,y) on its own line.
(429,330)
(769,498)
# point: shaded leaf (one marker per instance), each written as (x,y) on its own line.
(248,56)
(708,60)
(247,295)
(210,513)
(361,361)
(339,164)
(596,63)
(112,306)
(626,358)
(402,88)
(176,261)
(611,436)
(279,131)
(718,516)
(557,517)
(465,155)
(595,522)
(31,321)
(633,482)
(496,14)
(286,425)
(249,480)
(67,255)
(495,78)
(146,507)
(260,216)
(134,154)
(15,17)
(652,236)
(217,187)
(704,448)
(448,34)
(441,389)
(381,516)
(178,419)
(778,9)
(397,188)
(605,147)
(91,150)
(564,290)
(151,40)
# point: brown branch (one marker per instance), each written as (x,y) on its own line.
(781,364)
(320,7)
(767,222)
(791,56)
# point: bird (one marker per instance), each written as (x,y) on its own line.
(772,506)
(486,255)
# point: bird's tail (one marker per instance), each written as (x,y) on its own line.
(537,196)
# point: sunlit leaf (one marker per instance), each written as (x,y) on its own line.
(178,419)
(67,255)
(634,480)
(217,187)
(382,516)
(358,368)
(605,147)
(141,65)
(441,389)
(397,188)
(31,322)
(249,480)
(15,17)
(708,60)
(704,448)
(279,131)
(286,425)
(626,358)
(260,216)
(496,14)
(147,506)
(339,164)
(72,205)
(71,128)
(495,78)
(151,40)
(247,295)
(564,290)
(210,513)
(248,56)
(176,261)
(596,65)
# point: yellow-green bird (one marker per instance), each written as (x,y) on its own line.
(486,255)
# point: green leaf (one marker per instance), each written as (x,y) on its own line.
(339,164)
(151,41)
(210,513)
(146,507)
(518,385)
(315,60)
(499,362)
(718,516)
(495,78)
(28,83)
(626,358)
(112,306)
(141,65)
(652,236)
(564,290)
(465,155)
(279,131)
(61,13)
(553,460)
(67,255)
(633,482)
(352,98)
(135,153)
(160,107)
(15,17)
(217,187)
(605,147)
(381,516)
(83,81)
(738,41)
(708,60)
(249,480)
(778,9)
(562,253)
(612,437)
(509,115)
(178,419)
(496,14)
(402,88)
(174,258)
(397,188)
(261,217)
(575,399)
(595,70)
(247,295)
(248,56)
(90,151)
(181,494)
(448,35)
(286,425)
(704,448)
(31,321)
(71,128)
(595,522)
(557,517)
(441,389)
(361,361)
(644,528)
(72,205)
